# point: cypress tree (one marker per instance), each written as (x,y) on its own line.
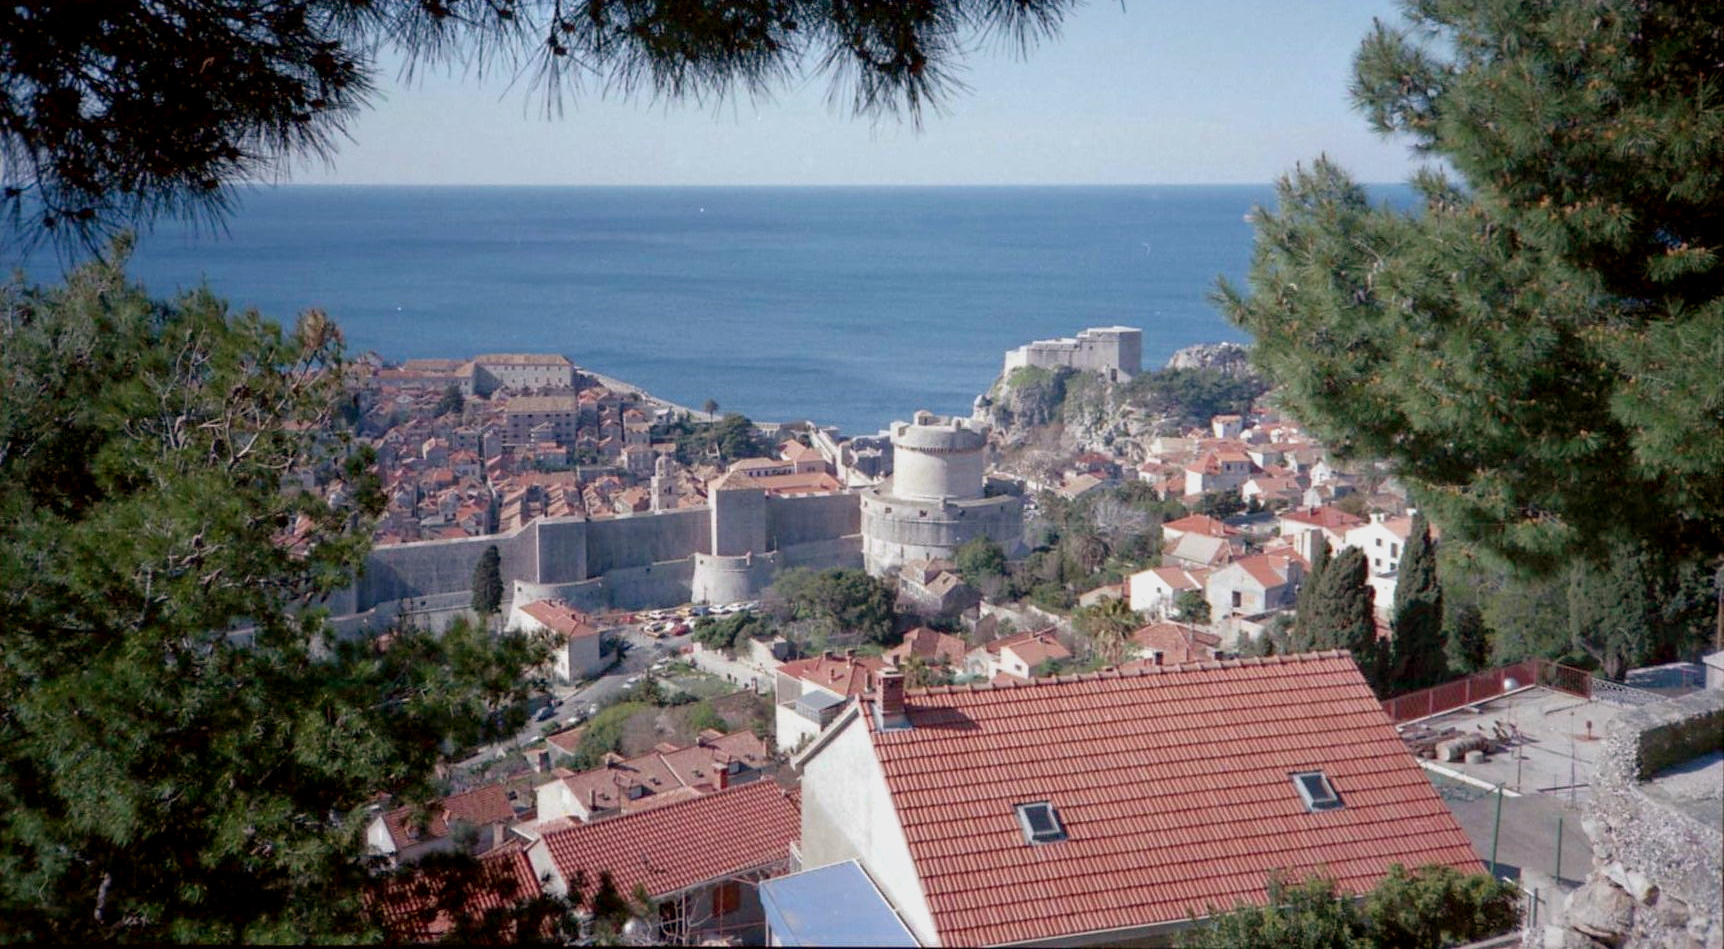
(1340,615)
(488,582)
(1417,649)
(1613,610)
(1300,639)
(1466,640)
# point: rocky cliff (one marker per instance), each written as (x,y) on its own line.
(1074,412)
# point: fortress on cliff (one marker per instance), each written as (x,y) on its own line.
(1114,351)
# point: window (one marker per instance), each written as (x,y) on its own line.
(1316,791)
(1040,823)
(726,898)
(1238,599)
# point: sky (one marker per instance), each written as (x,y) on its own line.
(1190,92)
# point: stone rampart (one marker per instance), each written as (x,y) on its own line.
(1657,834)
(640,540)
(799,520)
(620,561)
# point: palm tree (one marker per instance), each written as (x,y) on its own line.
(711,408)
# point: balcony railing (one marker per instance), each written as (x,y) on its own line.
(1485,685)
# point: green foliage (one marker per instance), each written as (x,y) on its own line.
(836,600)
(729,439)
(1535,348)
(703,717)
(1194,396)
(980,557)
(729,633)
(1466,642)
(1339,615)
(1052,596)
(604,735)
(162,779)
(1438,906)
(1308,915)
(1048,668)
(1221,504)
(452,402)
(1417,649)
(1193,607)
(1639,608)
(1108,626)
(1434,907)
(488,582)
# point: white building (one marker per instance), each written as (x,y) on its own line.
(1155,592)
(579,649)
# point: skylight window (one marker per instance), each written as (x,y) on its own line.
(1040,823)
(1316,791)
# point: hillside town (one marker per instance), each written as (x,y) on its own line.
(1088,677)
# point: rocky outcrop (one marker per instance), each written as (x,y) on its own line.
(1657,840)
(1230,358)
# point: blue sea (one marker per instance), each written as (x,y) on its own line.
(849,306)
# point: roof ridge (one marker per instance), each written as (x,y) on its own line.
(673,805)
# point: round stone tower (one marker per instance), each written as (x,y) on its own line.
(935,500)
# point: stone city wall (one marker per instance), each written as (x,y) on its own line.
(1657,878)
(639,558)
(800,520)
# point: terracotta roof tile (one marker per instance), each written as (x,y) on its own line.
(671,848)
(409,903)
(1172,783)
(837,674)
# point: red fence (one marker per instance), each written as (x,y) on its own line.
(1483,685)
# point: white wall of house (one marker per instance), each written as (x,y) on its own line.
(1382,547)
(847,814)
(580,657)
(1149,593)
(555,799)
(377,836)
(791,729)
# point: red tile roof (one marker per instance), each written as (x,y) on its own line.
(1177,643)
(929,645)
(669,849)
(837,674)
(665,776)
(561,617)
(1199,524)
(1329,518)
(1173,785)
(409,903)
(486,805)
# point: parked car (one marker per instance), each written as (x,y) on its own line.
(546,714)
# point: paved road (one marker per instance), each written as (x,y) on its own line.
(576,701)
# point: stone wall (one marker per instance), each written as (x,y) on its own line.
(629,562)
(801,520)
(1657,834)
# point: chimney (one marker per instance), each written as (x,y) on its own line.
(850,655)
(720,774)
(890,701)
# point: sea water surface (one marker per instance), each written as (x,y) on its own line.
(848,306)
